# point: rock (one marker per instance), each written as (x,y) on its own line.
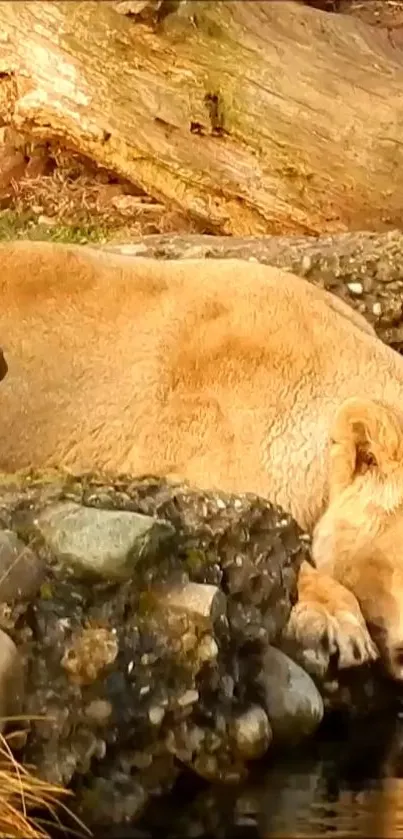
(11,679)
(291,699)
(21,570)
(188,698)
(144,669)
(356,288)
(89,653)
(202,602)
(252,733)
(246,546)
(105,542)
(102,807)
(207,649)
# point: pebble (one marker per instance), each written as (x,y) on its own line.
(132,250)
(156,714)
(99,710)
(207,649)
(188,698)
(355,288)
(252,733)
(306,264)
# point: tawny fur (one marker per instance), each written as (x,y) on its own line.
(225,374)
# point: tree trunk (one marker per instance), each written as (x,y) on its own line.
(364,269)
(254,118)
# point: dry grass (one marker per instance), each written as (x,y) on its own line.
(74,200)
(22,794)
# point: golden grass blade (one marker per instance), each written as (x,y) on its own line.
(21,792)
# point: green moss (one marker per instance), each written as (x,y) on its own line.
(24,225)
(45,591)
(196,560)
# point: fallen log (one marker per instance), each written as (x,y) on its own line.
(252,118)
(364,269)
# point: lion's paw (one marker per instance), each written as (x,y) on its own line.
(318,637)
(326,628)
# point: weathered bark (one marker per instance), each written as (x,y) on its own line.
(252,117)
(365,269)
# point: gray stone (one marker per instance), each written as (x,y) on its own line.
(21,570)
(252,733)
(105,542)
(291,698)
(11,679)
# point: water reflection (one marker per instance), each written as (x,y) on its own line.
(347,785)
(301,806)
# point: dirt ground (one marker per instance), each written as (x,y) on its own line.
(49,192)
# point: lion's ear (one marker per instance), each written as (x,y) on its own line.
(366,436)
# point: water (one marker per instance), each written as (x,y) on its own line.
(346,783)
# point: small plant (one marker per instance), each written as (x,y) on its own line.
(24,225)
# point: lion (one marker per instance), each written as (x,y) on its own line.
(229,375)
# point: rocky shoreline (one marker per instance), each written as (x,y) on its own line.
(140,634)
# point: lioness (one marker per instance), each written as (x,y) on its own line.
(230,375)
